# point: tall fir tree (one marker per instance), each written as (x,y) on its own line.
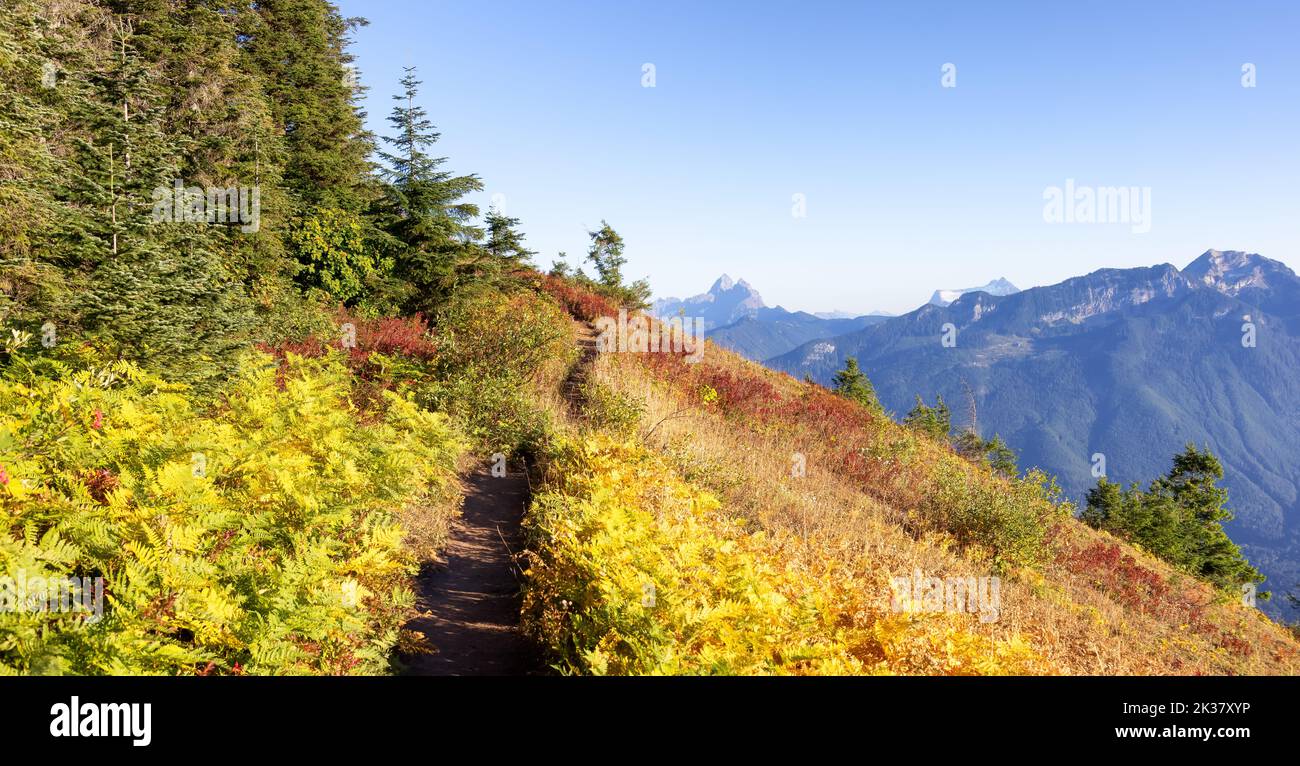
(161,291)
(97,89)
(36,279)
(299,50)
(427,213)
(504,240)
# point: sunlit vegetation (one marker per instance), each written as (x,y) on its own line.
(260,535)
(633,571)
(251,433)
(830,498)
(245,423)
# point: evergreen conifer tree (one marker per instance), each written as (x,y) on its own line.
(427,213)
(852,383)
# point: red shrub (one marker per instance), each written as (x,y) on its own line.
(100,482)
(393,336)
(1119,574)
(577,300)
(360,339)
(668,366)
(390,336)
(748,395)
(832,415)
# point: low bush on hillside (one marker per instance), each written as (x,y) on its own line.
(258,533)
(481,361)
(494,351)
(610,410)
(1006,520)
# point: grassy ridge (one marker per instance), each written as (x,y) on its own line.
(874,501)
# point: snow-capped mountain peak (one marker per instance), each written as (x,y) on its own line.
(998,286)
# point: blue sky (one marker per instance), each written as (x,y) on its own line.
(909,186)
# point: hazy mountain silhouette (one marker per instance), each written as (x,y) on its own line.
(736,318)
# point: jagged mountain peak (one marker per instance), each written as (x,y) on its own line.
(726,301)
(999,286)
(1232,271)
(725,284)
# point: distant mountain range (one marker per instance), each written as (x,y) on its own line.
(771,332)
(1128,363)
(847,315)
(736,318)
(725,302)
(996,287)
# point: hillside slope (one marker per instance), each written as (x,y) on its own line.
(1130,364)
(823,501)
(772,332)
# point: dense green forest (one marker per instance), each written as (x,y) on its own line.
(187,179)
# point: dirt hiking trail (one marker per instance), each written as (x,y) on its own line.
(469,605)
(584,336)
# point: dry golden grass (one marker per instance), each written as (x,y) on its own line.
(1081,617)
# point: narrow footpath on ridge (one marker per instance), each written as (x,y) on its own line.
(469,605)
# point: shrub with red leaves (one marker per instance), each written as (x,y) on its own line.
(667,366)
(577,300)
(395,336)
(391,336)
(749,394)
(1119,574)
(100,482)
(402,337)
